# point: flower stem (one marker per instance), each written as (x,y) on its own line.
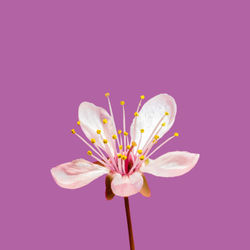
(130,231)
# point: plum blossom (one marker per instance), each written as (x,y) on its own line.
(122,156)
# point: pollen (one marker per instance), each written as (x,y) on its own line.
(139,151)
(163,124)
(98,131)
(142,97)
(105,121)
(128,147)
(105,141)
(107,94)
(157,137)
(125,133)
(124,157)
(89,152)
(78,123)
(166,113)
(142,157)
(73,131)
(114,137)
(119,132)
(134,144)
(120,147)
(122,103)
(176,134)
(92,140)
(136,114)
(119,155)
(142,130)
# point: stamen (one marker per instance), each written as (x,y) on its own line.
(99,160)
(125,133)
(114,137)
(142,157)
(105,141)
(128,146)
(162,144)
(124,121)
(92,140)
(78,123)
(98,131)
(136,114)
(73,131)
(139,151)
(105,121)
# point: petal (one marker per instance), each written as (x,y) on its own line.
(91,119)
(77,173)
(150,115)
(171,164)
(125,186)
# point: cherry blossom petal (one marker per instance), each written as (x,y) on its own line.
(91,119)
(125,186)
(171,164)
(77,173)
(150,115)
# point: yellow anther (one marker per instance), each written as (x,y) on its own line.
(73,131)
(89,152)
(105,141)
(139,151)
(119,132)
(142,97)
(142,157)
(166,113)
(120,147)
(142,130)
(155,141)
(125,133)
(134,144)
(105,121)
(122,103)
(119,155)
(136,114)
(78,123)
(128,147)
(98,131)
(92,140)
(163,124)
(176,134)
(107,94)
(157,137)
(124,157)
(114,137)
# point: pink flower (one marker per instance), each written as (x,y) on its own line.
(124,159)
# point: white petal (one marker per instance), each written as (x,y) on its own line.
(77,173)
(150,115)
(171,164)
(125,186)
(91,119)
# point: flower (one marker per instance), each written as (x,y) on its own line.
(125,160)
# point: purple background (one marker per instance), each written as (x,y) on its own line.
(56,54)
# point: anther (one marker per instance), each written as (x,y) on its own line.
(78,123)
(128,146)
(157,137)
(134,144)
(125,133)
(142,157)
(105,141)
(119,132)
(120,147)
(114,137)
(122,103)
(124,157)
(107,94)
(142,130)
(92,140)
(105,121)
(166,113)
(119,155)
(136,114)
(73,131)
(98,131)
(139,151)
(142,97)
(89,152)
(163,124)
(176,134)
